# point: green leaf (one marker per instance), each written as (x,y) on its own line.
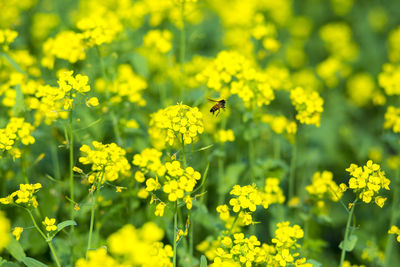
(64,224)
(31,262)
(314,263)
(15,249)
(203,261)
(8,264)
(350,244)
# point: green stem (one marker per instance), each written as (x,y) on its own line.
(45,238)
(191,224)
(292,171)
(23,168)
(233,224)
(182,47)
(175,227)
(251,160)
(346,233)
(393,217)
(220,178)
(71,160)
(94,199)
(277,147)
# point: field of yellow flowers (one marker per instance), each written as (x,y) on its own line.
(218,133)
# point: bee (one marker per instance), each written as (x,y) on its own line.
(217,107)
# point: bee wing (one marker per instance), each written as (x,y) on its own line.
(212,100)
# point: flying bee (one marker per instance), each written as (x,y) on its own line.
(217,107)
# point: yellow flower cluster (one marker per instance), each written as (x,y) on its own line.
(266,33)
(248,197)
(338,41)
(176,124)
(158,41)
(362,90)
(66,45)
(240,251)
(99,28)
(285,241)
(272,192)
(132,247)
(176,181)
(367,181)
(280,124)
(108,161)
(49,224)
(392,119)
(389,79)
(323,186)
(25,195)
(127,85)
(243,251)
(7,36)
(395,231)
(5,228)
(141,247)
(16,130)
(394,45)
(231,73)
(331,70)
(223,136)
(308,105)
(96,258)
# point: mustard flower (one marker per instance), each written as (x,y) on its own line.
(176,124)
(223,136)
(272,193)
(361,89)
(149,160)
(158,40)
(392,119)
(7,36)
(17,130)
(49,223)
(127,85)
(5,228)
(108,161)
(97,257)
(141,246)
(367,181)
(323,185)
(231,73)
(25,195)
(396,231)
(17,232)
(160,208)
(99,28)
(308,106)
(331,70)
(389,79)
(66,45)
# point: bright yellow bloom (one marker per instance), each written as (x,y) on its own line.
(25,195)
(5,228)
(108,161)
(158,41)
(308,106)
(17,232)
(49,223)
(367,181)
(389,79)
(176,124)
(223,136)
(396,231)
(92,102)
(323,185)
(17,130)
(392,119)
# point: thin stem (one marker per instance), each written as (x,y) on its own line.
(191,224)
(233,224)
(94,199)
(23,168)
(220,177)
(175,227)
(182,46)
(71,159)
(277,147)
(251,160)
(393,218)
(45,238)
(346,233)
(292,171)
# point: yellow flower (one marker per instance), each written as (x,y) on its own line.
(160,209)
(92,102)
(49,223)
(308,106)
(4,231)
(17,232)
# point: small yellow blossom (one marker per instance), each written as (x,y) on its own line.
(49,223)
(17,232)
